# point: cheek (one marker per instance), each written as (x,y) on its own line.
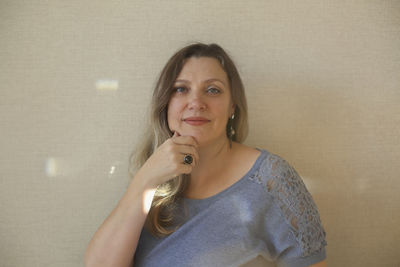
(223,110)
(169,115)
(222,118)
(172,112)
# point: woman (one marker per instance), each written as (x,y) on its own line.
(200,197)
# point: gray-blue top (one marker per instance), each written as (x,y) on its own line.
(267,214)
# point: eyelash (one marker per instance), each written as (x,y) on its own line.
(176,89)
(216,91)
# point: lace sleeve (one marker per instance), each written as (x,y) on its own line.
(295,203)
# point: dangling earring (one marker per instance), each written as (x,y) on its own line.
(231,130)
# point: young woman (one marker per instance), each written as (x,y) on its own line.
(198,196)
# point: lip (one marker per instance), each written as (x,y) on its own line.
(196,120)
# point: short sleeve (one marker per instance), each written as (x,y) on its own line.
(300,237)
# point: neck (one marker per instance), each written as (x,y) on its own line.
(212,160)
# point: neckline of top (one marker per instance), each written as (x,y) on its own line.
(234,185)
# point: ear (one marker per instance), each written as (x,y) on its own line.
(232,110)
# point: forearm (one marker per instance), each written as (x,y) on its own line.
(115,242)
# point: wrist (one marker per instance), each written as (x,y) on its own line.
(143,182)
(139,195)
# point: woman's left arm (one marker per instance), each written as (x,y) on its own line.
(300,229)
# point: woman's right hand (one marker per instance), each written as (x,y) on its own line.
(116,240)
(167,161)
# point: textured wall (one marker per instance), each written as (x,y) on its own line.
(323,88)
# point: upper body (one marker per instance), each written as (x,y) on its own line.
(265,218)
(199,110)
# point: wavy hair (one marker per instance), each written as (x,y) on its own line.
(160,218)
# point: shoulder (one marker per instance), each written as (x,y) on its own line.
(242,151)
(292,200)
(276,175)
(273,170)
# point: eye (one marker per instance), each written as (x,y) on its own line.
(213,91)
(180,89)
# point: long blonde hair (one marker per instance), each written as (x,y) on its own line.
(159,219)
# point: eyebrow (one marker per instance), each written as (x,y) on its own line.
(206,81)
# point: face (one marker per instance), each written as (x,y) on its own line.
(201,102)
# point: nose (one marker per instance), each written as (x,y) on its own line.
(196,102)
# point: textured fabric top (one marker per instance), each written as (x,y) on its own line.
(267,214)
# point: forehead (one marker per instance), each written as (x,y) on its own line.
(202,68)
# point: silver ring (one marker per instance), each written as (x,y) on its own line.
(188,159)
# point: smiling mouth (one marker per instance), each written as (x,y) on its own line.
(196,121)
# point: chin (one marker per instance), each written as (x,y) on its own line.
(200,138)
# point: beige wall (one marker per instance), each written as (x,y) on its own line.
(323,87)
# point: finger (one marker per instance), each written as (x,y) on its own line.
(185,140)
(186,169)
